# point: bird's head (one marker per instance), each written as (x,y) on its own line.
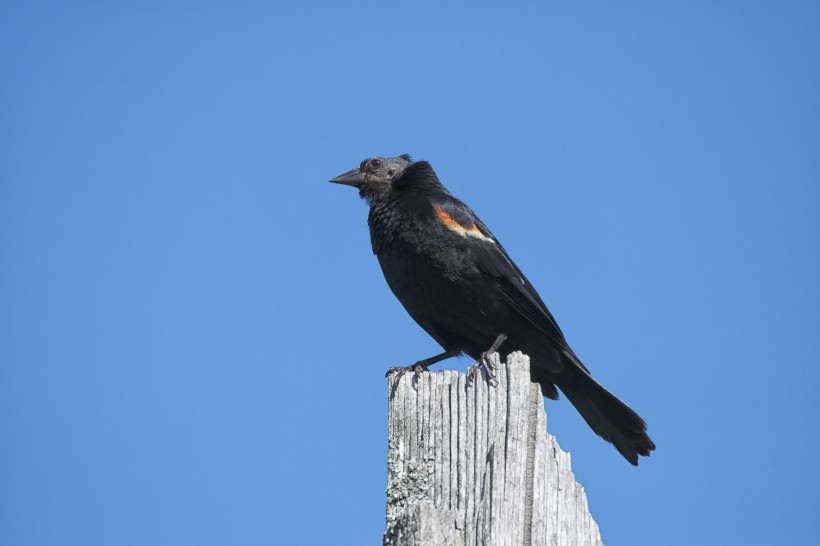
(375,176)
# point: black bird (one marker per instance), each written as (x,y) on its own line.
(458,283)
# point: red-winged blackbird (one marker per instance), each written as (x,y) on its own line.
(458,283)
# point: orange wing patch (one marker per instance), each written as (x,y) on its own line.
(451,224)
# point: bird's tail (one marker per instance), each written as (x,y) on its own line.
(608,416)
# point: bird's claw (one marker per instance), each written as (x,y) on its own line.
(485,361)
(416,368)
(472,371)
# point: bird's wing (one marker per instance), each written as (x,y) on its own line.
(493,260)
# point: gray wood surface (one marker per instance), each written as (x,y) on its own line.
(470,463)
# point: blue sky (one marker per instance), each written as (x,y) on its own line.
(195,332)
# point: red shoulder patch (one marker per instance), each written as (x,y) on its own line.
(465,231)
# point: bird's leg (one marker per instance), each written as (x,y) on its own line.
(484,360)
(422,365)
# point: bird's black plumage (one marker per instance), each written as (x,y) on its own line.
(460,285)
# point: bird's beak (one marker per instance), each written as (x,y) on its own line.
(350,178)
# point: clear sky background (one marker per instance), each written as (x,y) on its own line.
(193,329)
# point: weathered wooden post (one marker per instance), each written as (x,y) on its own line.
(470,463)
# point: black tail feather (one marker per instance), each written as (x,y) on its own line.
(608,416)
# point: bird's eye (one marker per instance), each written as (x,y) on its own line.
(376,162)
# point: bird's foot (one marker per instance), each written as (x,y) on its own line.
(417,369)
(398,372)
(422,365)
(486,360)
(472,371)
